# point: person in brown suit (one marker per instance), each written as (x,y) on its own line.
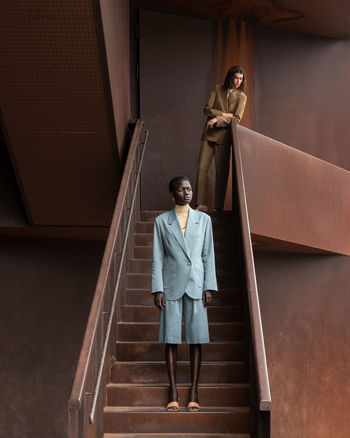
(225,103)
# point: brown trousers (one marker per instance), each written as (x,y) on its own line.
(208,150)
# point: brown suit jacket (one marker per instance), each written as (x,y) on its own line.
(217,105)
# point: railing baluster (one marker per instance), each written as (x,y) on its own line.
(98,340)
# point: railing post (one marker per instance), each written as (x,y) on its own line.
(99,344)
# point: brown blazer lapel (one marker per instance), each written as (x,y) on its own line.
(232,101)
(223,99)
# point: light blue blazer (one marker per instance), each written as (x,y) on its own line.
(183,264)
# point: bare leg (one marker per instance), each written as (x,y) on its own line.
(196,357)
(171,357)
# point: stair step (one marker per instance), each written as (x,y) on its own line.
(221,239)
(216,216)
(156,372)
(155,419)
(148,331)
(146,351)
(175,435)
(143,281)
(149,216)
(144,266)
(222,227)
(155,395)
(142,297)
(151,313)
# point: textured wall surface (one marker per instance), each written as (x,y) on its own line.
(305,304)
(46,293)
(175,73)
(302,87)
(11,209)
(302,99)
(115,21)
(293,196)
(57,111)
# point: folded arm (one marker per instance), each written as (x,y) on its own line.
(223,120)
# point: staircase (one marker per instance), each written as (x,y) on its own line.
(138,392)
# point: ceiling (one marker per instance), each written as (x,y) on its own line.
(55,112)
(319,17)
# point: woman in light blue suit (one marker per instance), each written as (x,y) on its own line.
(183,282)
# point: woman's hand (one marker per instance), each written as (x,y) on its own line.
(207,297)
(230,115)
(159,300)
(212,122)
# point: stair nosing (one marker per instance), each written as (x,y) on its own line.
(214,323)
(161,409)
(180,362)
(175,434)
(182,343)
(150,306)
(206,385)
(226,289)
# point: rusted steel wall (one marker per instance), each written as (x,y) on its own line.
(115,22)
(294,197)
(305,305)
(302,92)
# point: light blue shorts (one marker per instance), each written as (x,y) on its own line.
(195,318)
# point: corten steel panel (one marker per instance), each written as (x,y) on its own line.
(293,196)
(175,72)
(302,92)
(115,21)
(322,17)
(47,286)
(11,208)
(57,111)
(305,306)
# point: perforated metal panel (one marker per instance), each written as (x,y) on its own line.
(57,110)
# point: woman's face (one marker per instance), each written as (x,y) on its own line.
(183,192)
(237,80)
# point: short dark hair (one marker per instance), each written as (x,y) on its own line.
(231,74)
(173,182)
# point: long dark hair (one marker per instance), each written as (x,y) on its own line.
(231,75)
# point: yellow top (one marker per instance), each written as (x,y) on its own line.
(182,215)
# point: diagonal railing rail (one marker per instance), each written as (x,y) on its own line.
(258,345)
(85,406)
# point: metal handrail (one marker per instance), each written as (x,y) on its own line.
(112,309)
(84,379)
(256,323)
